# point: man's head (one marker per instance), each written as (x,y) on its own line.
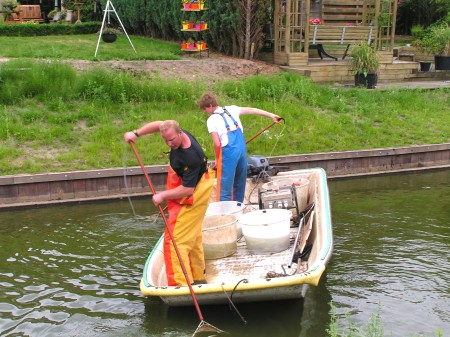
(171,133)
(208,103)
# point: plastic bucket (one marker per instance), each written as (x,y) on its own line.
(267,230)
(301,191)
(219,236)
(276,184)
(227,207)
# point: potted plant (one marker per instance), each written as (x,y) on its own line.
(190,43)
(56,15)
(194,5)
(423,44)
(364,64)
(186,4)
(8,8)
(109,35)
(437,37)
(201,45)
(185,24)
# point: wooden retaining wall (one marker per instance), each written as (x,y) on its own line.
(53,188)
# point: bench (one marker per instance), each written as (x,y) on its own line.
(320,35)
(29,13)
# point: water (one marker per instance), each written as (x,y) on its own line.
(75,270)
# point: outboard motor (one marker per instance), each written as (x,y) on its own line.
(258,168)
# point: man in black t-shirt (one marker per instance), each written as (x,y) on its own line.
(189,186)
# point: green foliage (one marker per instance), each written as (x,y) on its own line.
(417,31)
(81,117)
(44,30)
(420,12)
(374,327)
(435,39)
(8,7)
(162,19)
(24,79)
(364,59)
(346,328)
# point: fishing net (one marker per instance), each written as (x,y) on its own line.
(205,329)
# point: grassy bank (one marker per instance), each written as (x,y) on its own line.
(54,119)
(82,47)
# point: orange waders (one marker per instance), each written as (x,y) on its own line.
(185,220)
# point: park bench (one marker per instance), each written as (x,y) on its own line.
(29,13)
(320,35)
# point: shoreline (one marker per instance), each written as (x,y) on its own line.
(29,190)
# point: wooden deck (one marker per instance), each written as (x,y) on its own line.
(394,67)
(330,71)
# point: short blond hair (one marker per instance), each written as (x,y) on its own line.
(170,124)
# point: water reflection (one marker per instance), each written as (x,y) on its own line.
(75,270)
(391,248)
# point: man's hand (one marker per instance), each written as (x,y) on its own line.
(158,198)
(130,136)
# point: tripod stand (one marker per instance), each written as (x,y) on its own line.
(108,9)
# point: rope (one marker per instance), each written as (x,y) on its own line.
(231,302)
(125,179)
(278,138)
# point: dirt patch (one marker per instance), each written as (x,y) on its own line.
(212,68)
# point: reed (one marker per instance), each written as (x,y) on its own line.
(345,327)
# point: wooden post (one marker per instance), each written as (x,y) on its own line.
(287,36)
(308,12)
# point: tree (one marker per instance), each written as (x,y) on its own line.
(420,12)
(252,18)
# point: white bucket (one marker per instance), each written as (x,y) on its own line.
(235,208)
(267,230)
(219,236)
(276,184)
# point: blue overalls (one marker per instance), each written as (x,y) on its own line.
(232,166)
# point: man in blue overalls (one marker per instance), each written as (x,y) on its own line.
(230,149)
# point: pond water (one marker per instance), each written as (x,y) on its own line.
(74,270)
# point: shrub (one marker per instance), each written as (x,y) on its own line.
(42,30)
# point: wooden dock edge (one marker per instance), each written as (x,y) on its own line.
(94,185)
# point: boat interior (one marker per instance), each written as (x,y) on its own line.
(295,191)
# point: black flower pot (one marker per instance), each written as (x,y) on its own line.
(425,66)
(360,80)
(370,81)
(109,37)
(441,62)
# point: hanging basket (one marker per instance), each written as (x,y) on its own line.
(109,37)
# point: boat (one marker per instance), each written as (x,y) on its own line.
(249,275)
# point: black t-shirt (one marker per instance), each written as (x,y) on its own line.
(189,164)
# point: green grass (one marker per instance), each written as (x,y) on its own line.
(82,47)
(53,118)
